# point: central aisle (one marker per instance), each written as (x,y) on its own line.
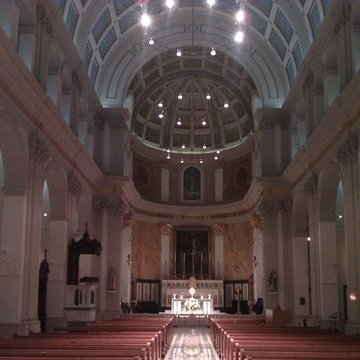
(191,344)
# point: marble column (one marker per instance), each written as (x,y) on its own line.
(126,257)
(165,233)
(256,223)
(347,156)
(218,250)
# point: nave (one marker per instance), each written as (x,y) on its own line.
(191,343)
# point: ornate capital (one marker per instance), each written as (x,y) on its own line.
(128,219)
(99,122)
(39,149)
(348,151)
(218,229)
(98,205)
(273,207)
(343,19)
(256,221)
(115,207)
(165,229)
(310,186)
(76,81)
(74,184)
(44,19)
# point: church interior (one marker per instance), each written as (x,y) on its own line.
(184,159)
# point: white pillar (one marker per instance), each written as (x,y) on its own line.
(57,259)
(12,254)
(126,257)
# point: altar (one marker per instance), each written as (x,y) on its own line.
(209,296)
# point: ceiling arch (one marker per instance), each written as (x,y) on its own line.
(278,35)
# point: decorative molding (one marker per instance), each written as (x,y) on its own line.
(256,221)
(115,207)
(74,185)
(43,19)
(98,205)
(76,81)
(128,219)
(218,229)
(39,149)
(165,229)
(348,151)
(310,186)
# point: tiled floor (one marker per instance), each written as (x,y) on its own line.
(191,344)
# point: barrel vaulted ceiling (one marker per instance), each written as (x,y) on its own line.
(120,61)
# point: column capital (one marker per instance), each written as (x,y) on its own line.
(347,151)
(115,207)
(256,221)
(43,19)
(128,219)
(98,205)
(165,229)
(218,229)
(310,186)
(38,149)
(74,185)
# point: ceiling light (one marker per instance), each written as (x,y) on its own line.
(213,52)
(204,146)
(160,104)
(239,37)
(218,151)
(151,41)
(215,157)
(178,122)
(45,214)
(182,161)
(168,150)
(308,238)
(168,156)
(340,216)
(170,3)
(203,122)
(226,105)
(201,161)
(211,3)
(183,146)
(161,115)
(178,52)
(208,96)
(240,16)
(180,96)
(145,20)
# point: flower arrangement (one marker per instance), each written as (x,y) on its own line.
(192,304)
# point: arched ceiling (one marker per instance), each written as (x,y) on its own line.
(120,61)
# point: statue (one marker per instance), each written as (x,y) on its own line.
(273,281)
(112,278)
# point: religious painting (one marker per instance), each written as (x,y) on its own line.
(192,253)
